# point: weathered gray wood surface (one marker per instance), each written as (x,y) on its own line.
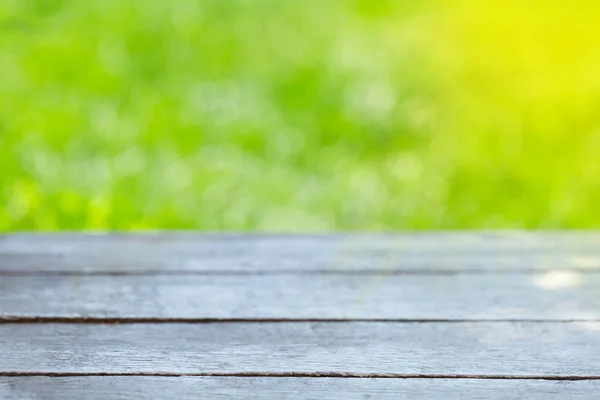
(156,253)
(188,388)
(267,316)
(328,296)
(482,349)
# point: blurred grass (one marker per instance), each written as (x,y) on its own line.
(299,115)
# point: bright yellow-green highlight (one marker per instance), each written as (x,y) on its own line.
(299,115)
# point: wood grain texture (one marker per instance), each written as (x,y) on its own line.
(188,388)
(254,279)
(189,252)
(540,296)
(497,349)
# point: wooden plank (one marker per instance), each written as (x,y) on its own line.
(198,252)
(543,296)
(453,349)
(188,388)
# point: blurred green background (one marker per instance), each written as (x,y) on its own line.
(310,115)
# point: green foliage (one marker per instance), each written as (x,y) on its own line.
(297,115)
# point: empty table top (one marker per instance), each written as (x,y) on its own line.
(468,315)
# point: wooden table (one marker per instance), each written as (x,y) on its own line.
(185,316)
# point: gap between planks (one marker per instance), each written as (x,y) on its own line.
(133,321)
(292,374)
(285,272)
